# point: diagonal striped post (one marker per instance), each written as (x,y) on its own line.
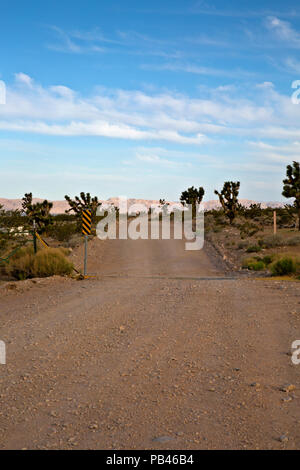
(86,221)
(86,230)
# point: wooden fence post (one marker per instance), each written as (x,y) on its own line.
(275,222)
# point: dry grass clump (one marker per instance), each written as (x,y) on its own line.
(286,265)
(46,262)
(278,265)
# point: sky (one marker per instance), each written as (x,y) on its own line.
(144,99)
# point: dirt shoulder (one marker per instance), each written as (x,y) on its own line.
(252,253)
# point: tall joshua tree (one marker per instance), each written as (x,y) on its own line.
(192,196)
(38,212)
(228,198)
(85,201)
(291,185)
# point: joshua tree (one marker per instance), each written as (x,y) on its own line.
(254,210)
(291,185)
(192,196)
(164,205)
(38,212)
(228,198)
(85,201)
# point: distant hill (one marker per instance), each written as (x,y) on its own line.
(59,207)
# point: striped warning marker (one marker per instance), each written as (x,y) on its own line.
(86,221)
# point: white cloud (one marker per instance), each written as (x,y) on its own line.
(63,91)
(225,88)
(137,115)
(284,31)
(291,148)
(265,85)
(98,128)
(293,64)
(65,44)
(155,159)
(94,41)
(198,70)
(24,79)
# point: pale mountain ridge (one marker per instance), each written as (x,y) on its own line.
(59,207)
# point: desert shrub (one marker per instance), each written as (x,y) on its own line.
(52,261)
(62,231)
(276,240)
(64,218)
(242,245)
(272,241)
(254,264)
(266,216)
(293,241)
(258,266)
(246,262)
(3,242)
(218,216)
(285,219)
(21,263)
(267,259)
(253,249)
(46,262)
(254,210)
(283,266)
(248,230)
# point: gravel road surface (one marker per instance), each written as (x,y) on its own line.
(162,349)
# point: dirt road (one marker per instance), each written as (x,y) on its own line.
(164,349)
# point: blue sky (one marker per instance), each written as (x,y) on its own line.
(144,98)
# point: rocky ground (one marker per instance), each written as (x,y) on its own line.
(162,349)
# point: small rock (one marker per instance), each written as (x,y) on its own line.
(286,399)
(94,426)
(255,384)
(283,438)
(11,286)
(288,388)
(162,439)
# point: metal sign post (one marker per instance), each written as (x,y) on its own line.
(85,254)
(86,230)
(34,237)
